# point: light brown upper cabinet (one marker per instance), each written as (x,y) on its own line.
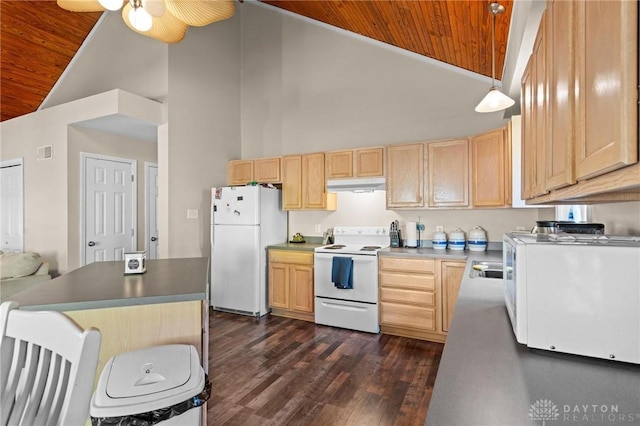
(561,113)
(589,109)
(364,162)
(266,170)
(608,77)
(448,173)
(263,170)
(292,182)
(491,169)
(405,175)
(304,184)
(369,162)
(339,164)
(239,172)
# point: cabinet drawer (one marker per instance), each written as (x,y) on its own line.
(407,316)
(425,298)
(287,256)
(420,282)
(425,266)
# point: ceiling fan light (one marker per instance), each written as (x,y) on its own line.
(111,4)
(494,101)
(140,19)
(155,8)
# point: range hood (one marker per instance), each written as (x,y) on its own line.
(356,185)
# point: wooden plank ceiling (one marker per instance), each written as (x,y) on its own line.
(38,38)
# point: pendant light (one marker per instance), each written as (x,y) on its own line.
(495,100)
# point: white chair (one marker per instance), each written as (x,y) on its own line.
(47,368)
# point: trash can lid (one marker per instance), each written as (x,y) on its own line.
(147,379)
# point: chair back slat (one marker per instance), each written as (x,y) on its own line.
(49,364)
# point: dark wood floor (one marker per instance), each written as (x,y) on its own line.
(279,371)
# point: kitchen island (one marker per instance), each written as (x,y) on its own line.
(167,304)
(486,378)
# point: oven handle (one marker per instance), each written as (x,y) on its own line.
(355,257)
(343,307)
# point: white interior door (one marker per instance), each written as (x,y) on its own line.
(151,203)
(12,206)
(109,208)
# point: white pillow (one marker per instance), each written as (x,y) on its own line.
(16,265)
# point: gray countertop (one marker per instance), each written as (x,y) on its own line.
(104,285)
(486,378)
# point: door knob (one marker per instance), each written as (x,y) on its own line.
(91,243)
(154,239)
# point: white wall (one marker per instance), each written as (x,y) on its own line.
(203,132)
(618,218)
(114,57)
(310,87)
(368,209)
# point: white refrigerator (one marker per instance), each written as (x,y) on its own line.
(244,221)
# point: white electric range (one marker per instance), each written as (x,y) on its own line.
(351,300)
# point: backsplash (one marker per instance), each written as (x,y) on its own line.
(369,209)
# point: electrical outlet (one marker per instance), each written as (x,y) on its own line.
(439,228)
(317,228)
(192,213)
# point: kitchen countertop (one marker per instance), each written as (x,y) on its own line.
(104,285)
(487,378)
(296,246)
(435,253)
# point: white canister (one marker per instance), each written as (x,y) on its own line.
(477,239)
(439,240)
(456,240)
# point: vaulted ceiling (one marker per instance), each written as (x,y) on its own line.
(39,39)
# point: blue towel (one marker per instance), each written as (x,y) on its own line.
(342,272)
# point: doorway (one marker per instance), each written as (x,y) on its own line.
(12,205)
(108,207)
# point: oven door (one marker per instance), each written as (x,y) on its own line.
(365,278)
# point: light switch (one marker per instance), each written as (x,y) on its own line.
(192,213)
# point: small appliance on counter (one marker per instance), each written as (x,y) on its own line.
(134,262)
(439,240)
(580,228)
(457,240)
(394,234)
(477,239)
(411,236)
(574,293)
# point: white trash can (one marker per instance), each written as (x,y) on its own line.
(156,383)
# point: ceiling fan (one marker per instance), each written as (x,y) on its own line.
(163,20)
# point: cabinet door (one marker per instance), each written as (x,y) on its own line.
(561,75)
(239,172)
(608,69)
(291,182)
(267,170)
(279,285)
(489,165)
(369,162)
(528,138)
(313,181)
(405,176)
(540,108)
(301,287)
(448,171)
(339,164)
(451,274)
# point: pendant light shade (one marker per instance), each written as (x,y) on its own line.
(495,100)
(163,20)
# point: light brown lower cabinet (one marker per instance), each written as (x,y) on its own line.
(291,284)
(417,296)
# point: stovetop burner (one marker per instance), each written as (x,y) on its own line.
(335,247)
(370,248)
